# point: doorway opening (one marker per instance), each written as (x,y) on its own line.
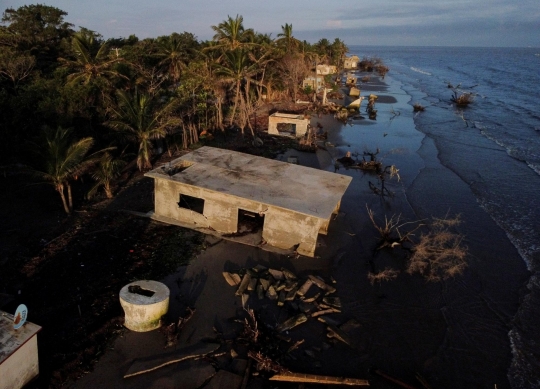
(249,222)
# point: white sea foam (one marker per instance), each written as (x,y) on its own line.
(420,71)
(534,167)
(523,371)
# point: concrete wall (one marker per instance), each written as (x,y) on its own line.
(286,229)
(282,228)
(166,198)
(301,125)
(21,367)
(326,69)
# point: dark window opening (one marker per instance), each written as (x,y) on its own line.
(194,204)
(286,128)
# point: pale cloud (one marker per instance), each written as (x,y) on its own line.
(334,23)
(388,22)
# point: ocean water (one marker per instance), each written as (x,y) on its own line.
(493,146)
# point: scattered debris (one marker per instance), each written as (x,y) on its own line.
(303,300)
(370,109)
(232,278)
(172,331)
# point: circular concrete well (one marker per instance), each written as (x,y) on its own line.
(144,303)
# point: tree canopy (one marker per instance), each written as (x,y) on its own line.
(129,93)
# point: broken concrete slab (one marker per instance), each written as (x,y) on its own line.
(292,322)
(232,279)
(244,284)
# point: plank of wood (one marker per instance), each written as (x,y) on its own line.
(318,379)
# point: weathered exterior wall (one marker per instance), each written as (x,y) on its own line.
(282,228)
(285,229)
(166,198)
(21,367)
(301,125)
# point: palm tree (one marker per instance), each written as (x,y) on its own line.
(175,52)
(107,170)
(141,119)
(339,49)
(323,47)
(92,62)
(63,159)
(238,68)
(231,34)
(286,37)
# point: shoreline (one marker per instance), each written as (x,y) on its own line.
(407,325)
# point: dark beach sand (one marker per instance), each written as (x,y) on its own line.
(455,333)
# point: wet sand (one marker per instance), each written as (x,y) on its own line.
(454,333)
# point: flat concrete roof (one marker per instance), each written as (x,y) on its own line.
(302,189)
(11,339)
(288,116)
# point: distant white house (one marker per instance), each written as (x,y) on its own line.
(351,62)
(326,69)
(315,83)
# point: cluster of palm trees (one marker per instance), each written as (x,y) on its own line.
(124,95)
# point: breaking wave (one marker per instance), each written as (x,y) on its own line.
(420,71)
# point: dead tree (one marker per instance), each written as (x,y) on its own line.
(388,172)
(437,254)
(392,233)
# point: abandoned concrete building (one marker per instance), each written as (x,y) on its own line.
(351,62)
(287,124)
(315,83)
(229,192)
(326,69)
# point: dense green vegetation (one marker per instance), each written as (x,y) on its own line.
(125,94)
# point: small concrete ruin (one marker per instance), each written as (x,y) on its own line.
(351,62)
(315,83)
(354,92)
(351,79)
(144,303)
(324,69)
(215,190)
(298,124)
(19,362)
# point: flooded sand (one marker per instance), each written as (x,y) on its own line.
(454,333)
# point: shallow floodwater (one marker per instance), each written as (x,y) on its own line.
(484,163)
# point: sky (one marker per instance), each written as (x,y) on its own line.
(481,23)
